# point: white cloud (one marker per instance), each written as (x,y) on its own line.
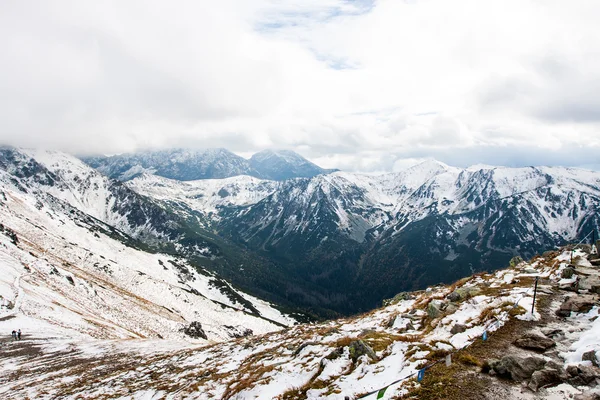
(354,85)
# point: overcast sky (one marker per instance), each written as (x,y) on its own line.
(357,85)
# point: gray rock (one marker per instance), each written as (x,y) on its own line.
(463,293)
(546,377)
(567,273)
(458,328)
(533,341)
(582,374)
(590,356)
(397,298)
(517,368)
(454,296)
(552,333)
(195,330)
(433,309)
(359,348)
(588,374)
(579,304)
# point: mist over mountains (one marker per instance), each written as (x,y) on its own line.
(188,165)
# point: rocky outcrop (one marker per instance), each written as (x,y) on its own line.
(578,304)
(567,273)
(434,309)
(359,348)
(195,330)
(516,368)
(547,377)
(533,341)
(463,293)
(582,374)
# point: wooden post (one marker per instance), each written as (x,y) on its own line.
(534,294)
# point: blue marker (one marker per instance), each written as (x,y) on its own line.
(420,375)
(484,335)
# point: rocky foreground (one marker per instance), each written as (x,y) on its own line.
(550,353)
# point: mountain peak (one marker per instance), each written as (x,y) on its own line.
(284,164)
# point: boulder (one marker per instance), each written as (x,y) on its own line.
(517,368)
(458,328)
(582,374)
(590,356)
(567,273)
(397,298)
(533,341)
(408,327)
(546,377)
(433,309)
(552,332)
(579,304)
(463,293)
(359,348)
(195,330)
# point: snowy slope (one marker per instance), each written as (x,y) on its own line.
(68,273)
(324,361)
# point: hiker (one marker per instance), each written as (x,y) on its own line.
(19,334)
(14,335)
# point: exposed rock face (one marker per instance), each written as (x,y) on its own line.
(533,341)
(195,330)
(517,368)
(359,348)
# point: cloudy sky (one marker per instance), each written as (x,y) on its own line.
(358,85)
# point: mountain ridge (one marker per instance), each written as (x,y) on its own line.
(218,163)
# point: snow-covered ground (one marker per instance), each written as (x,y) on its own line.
(314,361)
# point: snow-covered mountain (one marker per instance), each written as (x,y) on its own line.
(426,224)
(284,164)
(188,165)
(79,258)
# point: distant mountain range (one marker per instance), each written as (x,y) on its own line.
(330,243)
(187,165)
(360,238)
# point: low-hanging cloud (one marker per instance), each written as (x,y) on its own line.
(353,85)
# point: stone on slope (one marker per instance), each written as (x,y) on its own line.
(567,273)
(359,348)
(579,304)
(533,341)
(433,309)
(517,368)
(590,356)
(195,330)
(458,328)
(546,377)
